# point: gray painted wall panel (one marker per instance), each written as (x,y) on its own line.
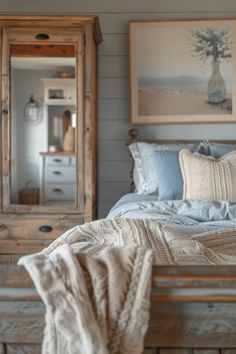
(104,210)
(113,88)
(110,192)
(71,6)
(114,44)
(114,130)
(114,171)
(118,23)
(111,150)
(113,109)
(189,131)
(113,66)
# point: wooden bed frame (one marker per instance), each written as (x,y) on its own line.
(193,308)
(183,321)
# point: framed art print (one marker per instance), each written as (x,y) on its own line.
(182,71)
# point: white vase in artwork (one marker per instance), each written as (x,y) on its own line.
(216,85)
(69,140)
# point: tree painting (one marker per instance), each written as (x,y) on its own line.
(212,43)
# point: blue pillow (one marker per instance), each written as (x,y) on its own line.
(204,149)
(219,150)
(168,174)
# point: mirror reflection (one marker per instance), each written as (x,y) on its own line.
(43,121)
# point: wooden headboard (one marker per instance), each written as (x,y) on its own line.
(134,137)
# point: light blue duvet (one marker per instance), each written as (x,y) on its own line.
(187,216)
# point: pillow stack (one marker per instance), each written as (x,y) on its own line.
(173,172)
(145,170)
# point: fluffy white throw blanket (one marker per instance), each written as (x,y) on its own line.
(96,291)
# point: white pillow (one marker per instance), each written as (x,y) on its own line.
(146,181)
(208,178)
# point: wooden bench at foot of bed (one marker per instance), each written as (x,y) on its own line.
(193,311)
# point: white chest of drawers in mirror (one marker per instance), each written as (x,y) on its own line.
(58,178)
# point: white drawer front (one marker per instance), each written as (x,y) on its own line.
(59,174)
(57,160)
(73,160)
(59,192)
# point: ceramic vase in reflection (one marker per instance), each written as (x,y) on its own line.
(69,140)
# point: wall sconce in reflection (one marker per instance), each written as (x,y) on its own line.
(32,112)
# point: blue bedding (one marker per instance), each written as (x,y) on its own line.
(186,216)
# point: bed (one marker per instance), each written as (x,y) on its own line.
(192,307)
(188,314)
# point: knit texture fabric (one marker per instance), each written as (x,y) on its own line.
(95,281)
(207,178)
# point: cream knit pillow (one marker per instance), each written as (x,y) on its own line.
(208,178)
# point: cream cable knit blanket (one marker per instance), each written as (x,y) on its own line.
(96,291)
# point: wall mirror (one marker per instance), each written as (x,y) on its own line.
(43,121)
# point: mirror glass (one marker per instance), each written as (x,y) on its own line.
(43,121)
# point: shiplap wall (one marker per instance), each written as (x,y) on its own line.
(113,104)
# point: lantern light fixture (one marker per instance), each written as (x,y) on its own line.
(32,111)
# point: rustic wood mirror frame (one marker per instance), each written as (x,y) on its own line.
(84,33)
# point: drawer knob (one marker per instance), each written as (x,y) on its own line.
(42,36)
(3,227)
(57,190)
(57,160)
(56,172)
(45,228)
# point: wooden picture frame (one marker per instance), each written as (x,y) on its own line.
(182,71)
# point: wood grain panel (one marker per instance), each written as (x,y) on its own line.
(229,351)
(175,351)
(91,131)
(149,351)
(11,226)
(192,325)
(59,225)
(21,247)
(23,349)
(21,322)
(45,50)
(6,260)
(206,351)
(14,277)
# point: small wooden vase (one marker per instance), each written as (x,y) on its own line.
(69,140)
